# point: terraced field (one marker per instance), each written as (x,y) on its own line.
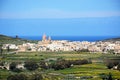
(92,71)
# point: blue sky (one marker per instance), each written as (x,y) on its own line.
(60,17)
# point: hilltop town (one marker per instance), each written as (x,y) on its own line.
(49,58)
(47,44)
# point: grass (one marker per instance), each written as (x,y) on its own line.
(90,70)
(37,56)
(94,69)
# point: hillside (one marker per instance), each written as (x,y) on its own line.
(3,37)
(10,40)
(112,39)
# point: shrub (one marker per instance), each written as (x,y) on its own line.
(17,77)
(110,76)
(106,76)
(82,50)
(2,63)
(86,77)
(118,68)
(61,64)
(13,67)
(79,62)
(110,63)
(44,65)
(37,77)
(30,65)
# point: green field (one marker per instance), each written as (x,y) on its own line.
(95,69)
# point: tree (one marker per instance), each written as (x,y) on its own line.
(30,65)
(1,50)
(109,76)
(16,36)
(13,67)
(118,68)
(110,65)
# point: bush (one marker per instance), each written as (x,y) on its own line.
(118,68)
(86,77)
(2,63)
(106,76)
(79,62)
(44,64)
(110,63)
(30,65)
(13,67)
(17,77)
(61,64)
(36,77)
(82,50)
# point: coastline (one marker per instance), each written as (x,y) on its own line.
(72,38)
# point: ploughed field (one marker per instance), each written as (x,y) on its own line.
(92,71)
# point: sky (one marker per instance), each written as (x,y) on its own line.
(60,17)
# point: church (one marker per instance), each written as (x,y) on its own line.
(45,39)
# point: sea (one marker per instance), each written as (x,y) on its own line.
(71,38)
